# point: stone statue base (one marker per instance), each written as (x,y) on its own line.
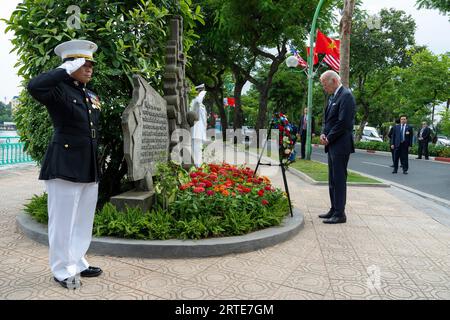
(132,199)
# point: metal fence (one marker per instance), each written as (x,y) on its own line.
(12,151)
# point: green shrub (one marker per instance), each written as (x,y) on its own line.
(434,151)
(37,208)
(190,215)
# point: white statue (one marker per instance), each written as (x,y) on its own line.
(198,131)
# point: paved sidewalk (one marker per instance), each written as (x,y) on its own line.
(384,235)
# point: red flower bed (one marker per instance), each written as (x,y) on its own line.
(227,180)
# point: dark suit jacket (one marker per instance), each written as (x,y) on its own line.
(397,135)
(313,125)
(72,153)
(338,124)
(425,135)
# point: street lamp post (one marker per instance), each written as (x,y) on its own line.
(292,62)
(312,36)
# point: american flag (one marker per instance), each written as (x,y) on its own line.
(302,63)
(333,62)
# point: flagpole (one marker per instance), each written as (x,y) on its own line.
(312,36)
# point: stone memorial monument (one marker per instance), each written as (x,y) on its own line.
(149,121)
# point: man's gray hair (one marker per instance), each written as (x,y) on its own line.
(330,74)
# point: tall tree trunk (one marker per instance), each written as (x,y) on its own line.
(240,81)
(345,30)
(364,119)
(264,90)
(218,98)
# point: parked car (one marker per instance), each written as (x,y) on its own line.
(369,134)
(443,141)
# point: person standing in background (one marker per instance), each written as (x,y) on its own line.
(397,121)
(401,141)
(423,137)
(302,131)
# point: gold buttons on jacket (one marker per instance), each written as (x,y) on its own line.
(92,124)
(66,146)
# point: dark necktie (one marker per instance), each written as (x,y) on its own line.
(330,102)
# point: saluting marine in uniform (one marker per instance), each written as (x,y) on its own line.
(70,168)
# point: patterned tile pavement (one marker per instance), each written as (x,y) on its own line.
(388,249)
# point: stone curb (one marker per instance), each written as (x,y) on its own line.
(177,248)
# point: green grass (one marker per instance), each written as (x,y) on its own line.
(319,172)
(314,169)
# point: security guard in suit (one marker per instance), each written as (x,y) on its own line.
(401,142)
(70,169)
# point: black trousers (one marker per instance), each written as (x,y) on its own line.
(423,148)
(401,152)
(337,182)
(303,143)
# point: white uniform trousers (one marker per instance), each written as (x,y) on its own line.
(197,152)
(71,209)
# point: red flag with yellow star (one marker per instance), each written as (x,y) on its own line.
(327,45)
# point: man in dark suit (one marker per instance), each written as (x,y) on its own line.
(337,136)
(397,121)
(401,141)
(423,136)
(302,131)
(70,168)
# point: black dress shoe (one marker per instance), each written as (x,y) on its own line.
(334,220)
(418,158)
(327,215)
(392,166)
(427,158)
(405,172)
(395,171)
(91,272)
(69,283)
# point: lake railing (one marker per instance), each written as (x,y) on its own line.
(12,151)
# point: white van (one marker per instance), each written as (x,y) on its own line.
(369,134)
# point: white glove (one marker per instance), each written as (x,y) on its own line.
(72,66)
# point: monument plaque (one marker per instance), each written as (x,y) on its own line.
(146,142)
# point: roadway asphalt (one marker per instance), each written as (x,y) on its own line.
(428,176)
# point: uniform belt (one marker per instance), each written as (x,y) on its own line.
(92,133)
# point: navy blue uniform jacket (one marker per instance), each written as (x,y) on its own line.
(74,111)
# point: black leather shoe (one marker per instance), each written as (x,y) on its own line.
(327,215)
(91,272)
(69,283)
(427,158)
(405,172)
(392,166)
(418,158)
(334,220)
(395,171)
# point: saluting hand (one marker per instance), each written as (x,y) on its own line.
(72,66)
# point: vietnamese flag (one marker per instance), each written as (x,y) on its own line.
(327,45)
(231,102)
(316,57)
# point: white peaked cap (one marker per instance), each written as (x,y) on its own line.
(76,49)
(200,87)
